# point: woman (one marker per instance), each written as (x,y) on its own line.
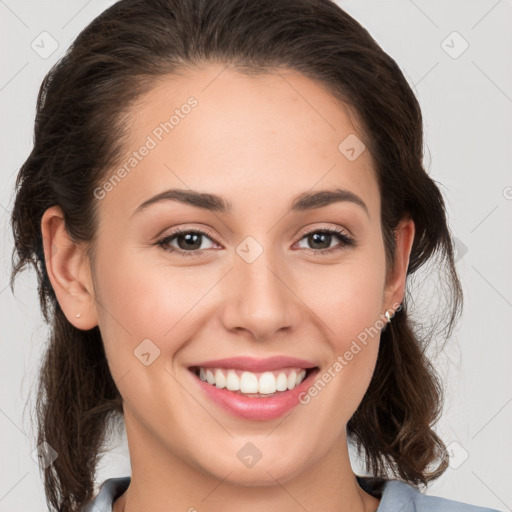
(224,203)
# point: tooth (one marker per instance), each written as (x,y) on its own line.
(220,379)
(209,377)
(248,383)
(232,381)
(282,382)
(267,383)
(291,379)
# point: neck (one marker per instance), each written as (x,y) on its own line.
(163,481)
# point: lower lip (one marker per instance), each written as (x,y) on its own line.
(256,408)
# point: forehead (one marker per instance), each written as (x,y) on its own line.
(241,136)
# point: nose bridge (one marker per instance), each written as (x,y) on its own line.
(259,299)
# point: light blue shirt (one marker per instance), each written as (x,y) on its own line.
(395,496)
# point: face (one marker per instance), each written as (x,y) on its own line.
(265,277)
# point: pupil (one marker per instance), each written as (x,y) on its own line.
(315,237)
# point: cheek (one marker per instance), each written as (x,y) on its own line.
(348,301)
(139,302)
(347,298)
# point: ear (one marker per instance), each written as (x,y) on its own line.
(68,269)
(394,289)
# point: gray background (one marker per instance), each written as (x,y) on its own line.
(467,104)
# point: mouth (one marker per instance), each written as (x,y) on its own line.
(262,395)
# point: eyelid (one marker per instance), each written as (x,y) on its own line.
(314,229)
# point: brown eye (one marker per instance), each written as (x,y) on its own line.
(320,240)
(188,242)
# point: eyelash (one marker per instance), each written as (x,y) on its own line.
(347,241)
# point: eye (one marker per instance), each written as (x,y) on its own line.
(321,240)
(189,242)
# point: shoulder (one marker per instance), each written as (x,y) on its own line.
(410,499)
(110,489)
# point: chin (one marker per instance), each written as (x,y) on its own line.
(264,472)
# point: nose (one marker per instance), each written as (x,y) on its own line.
(259,298)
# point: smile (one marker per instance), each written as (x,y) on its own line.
(259,391)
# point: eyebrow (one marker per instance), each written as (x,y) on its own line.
(215,203)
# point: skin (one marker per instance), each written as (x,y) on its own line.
(258,141)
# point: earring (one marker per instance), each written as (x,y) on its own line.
(78,315)
(389,315)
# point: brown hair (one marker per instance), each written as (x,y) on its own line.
(80,126)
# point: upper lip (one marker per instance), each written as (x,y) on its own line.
(252,364)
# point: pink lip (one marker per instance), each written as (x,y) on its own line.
(251,364)
(256,408)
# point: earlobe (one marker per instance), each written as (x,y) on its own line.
(395,286)
(68,270)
